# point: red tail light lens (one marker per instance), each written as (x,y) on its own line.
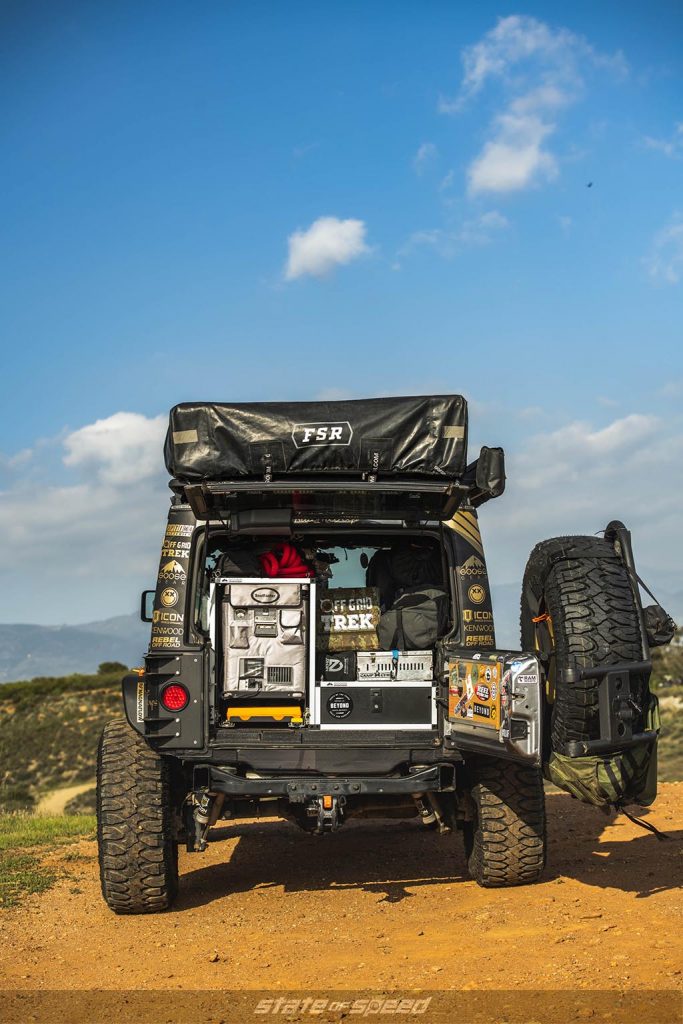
(175,697)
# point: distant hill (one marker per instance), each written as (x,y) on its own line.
(29,651)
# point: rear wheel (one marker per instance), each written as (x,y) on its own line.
(505,844)
(138,852)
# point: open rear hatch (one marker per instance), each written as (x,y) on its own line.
(389,457)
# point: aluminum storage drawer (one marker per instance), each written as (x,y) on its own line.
(402,666)
(378,705)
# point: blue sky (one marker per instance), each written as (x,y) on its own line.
(236,201)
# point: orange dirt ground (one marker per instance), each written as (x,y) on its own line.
(379,907)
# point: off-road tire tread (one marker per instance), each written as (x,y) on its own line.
(137,850)
(595,619)
(506,845)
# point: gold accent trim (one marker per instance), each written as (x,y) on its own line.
(185,436)
(465,524)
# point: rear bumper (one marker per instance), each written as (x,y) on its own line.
(300,789)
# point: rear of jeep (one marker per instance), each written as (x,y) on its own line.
(323,647)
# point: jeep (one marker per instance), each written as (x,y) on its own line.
(323,647)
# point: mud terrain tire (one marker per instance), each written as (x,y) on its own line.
(585,590)
(505,844)
(138,854)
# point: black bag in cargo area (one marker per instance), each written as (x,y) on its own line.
(239,561)
(416,620)
(405,564)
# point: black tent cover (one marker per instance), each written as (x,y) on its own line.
(412,437)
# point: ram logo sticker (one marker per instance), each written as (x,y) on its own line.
(477,593)
(308,435)
(265,595)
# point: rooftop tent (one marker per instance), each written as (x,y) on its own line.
(417,438)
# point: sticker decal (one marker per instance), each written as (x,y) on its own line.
(173,572)
(473,567)
(169,597)
(140,702)
(265,595)
(307,435)
(474,691)
(477,593)
(339,705)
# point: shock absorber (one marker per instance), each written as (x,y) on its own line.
(427,816)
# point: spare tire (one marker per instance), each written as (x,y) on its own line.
(577,603)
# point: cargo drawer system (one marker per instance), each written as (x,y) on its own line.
(270,672)
(376,705)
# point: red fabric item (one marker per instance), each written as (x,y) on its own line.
(284,561)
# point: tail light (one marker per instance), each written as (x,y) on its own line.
(174,697)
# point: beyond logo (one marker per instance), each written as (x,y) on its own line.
(265,595)
(306,435)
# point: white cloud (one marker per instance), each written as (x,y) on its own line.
(541,70)
(327,243)
(576,479)
(673,388)
(83,549)
(20,458)
(473,231)
(447,181)
(665,261)
(671,147)
(519,43)
(124,448)
(481,230)
(425,155)
(514,158)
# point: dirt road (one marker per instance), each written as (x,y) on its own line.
(55,801)
(379,905)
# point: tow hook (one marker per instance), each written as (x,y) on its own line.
(329,813)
